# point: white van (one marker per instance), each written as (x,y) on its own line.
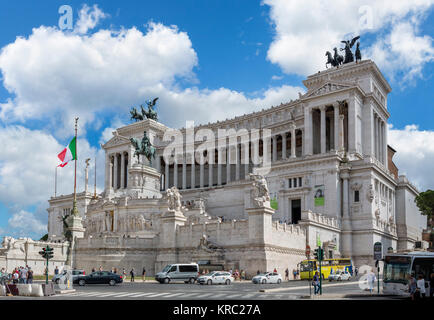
(178,272)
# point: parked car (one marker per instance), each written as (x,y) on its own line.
(268,277)
(178,272)
(340,276)
(99,277)
(216,277)
(75,273)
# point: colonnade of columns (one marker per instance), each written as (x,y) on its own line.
(328,135)
(118,170)
(380,139)
(231,163)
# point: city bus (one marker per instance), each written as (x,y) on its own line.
(398,268)
(327,266)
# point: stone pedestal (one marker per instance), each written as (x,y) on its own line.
(260,224)
(75,227)
(144,181)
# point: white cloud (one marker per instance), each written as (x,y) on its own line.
(55,76)
(88,18)
(305,31)
(28,164)
(415,154)
(25,222)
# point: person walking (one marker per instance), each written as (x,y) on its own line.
(243,274)
(275,270)
(371,281)
(100,268)
(316,283)
(93,269)
(287,274)
(56,271)
(294,273)
(412,286)
(144,274)
(29,276)
(124,274)
(356,271)
(24,274)
(421,286)
(15,276)
(115,271)
(132,275)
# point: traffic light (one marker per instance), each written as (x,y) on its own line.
(49,252)
(316,255)
(43,253)
(321,254)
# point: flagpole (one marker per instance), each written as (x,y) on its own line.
(74,204)
(94,191)
(55,182)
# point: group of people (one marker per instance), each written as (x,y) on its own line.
(22,275)
(295,274)
(132,273)
(417,288)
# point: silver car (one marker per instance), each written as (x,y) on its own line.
(216,277)
(268,277)
(178,272)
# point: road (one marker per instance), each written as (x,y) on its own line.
(245,290)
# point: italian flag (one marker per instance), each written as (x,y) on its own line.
(68,154)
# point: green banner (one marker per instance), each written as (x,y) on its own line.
(319,196)
(273,203)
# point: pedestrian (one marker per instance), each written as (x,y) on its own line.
(115,271)
(144,274)
(132,275)
(356,271)
(287,274)
(93,269)
(230,271)
(316,283)
(24,274)
(29,276)
(412,287)
(56,271)
(294,273)
(371,281)
(431,285)
(421,286)
(15,276)
(275,270)
(258,272)
(100,268)
(243,274)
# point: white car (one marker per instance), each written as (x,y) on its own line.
(340,276)
(268,277)
(216,277)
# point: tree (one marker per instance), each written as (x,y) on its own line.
(425,203)
(44,237)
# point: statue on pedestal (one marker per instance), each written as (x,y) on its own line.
(260,193)
(173,199)
(150,114)
(144,147)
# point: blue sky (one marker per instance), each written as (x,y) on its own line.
(210,59)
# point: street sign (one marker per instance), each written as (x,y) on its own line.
(378,251)
(307,251)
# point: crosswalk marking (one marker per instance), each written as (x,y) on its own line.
(173,295)
(191,294)
(111,294)
(90,294)
(142,294)
(219,295)
(125,295)
(248,295)
(158,294)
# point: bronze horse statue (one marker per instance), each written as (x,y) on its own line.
(150,114)
(335,60)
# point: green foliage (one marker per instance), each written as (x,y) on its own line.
(425,203)
(44,237)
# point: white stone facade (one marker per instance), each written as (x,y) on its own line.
(329,176)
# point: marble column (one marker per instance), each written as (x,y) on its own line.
(274,148)
(108,172)
(112,172)
(323,129)
(385,144)
(115,171)
(308,135)
(341,133)
(219,166)
(166,175)
(237,164)
(201,177)
(122,171)
(284,145)
(228,163)
(184,172)
(193,172)
(210,167)
(347,245)
(293,141)
(336,125)
(175,172)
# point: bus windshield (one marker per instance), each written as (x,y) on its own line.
(307,266)
(396,269)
